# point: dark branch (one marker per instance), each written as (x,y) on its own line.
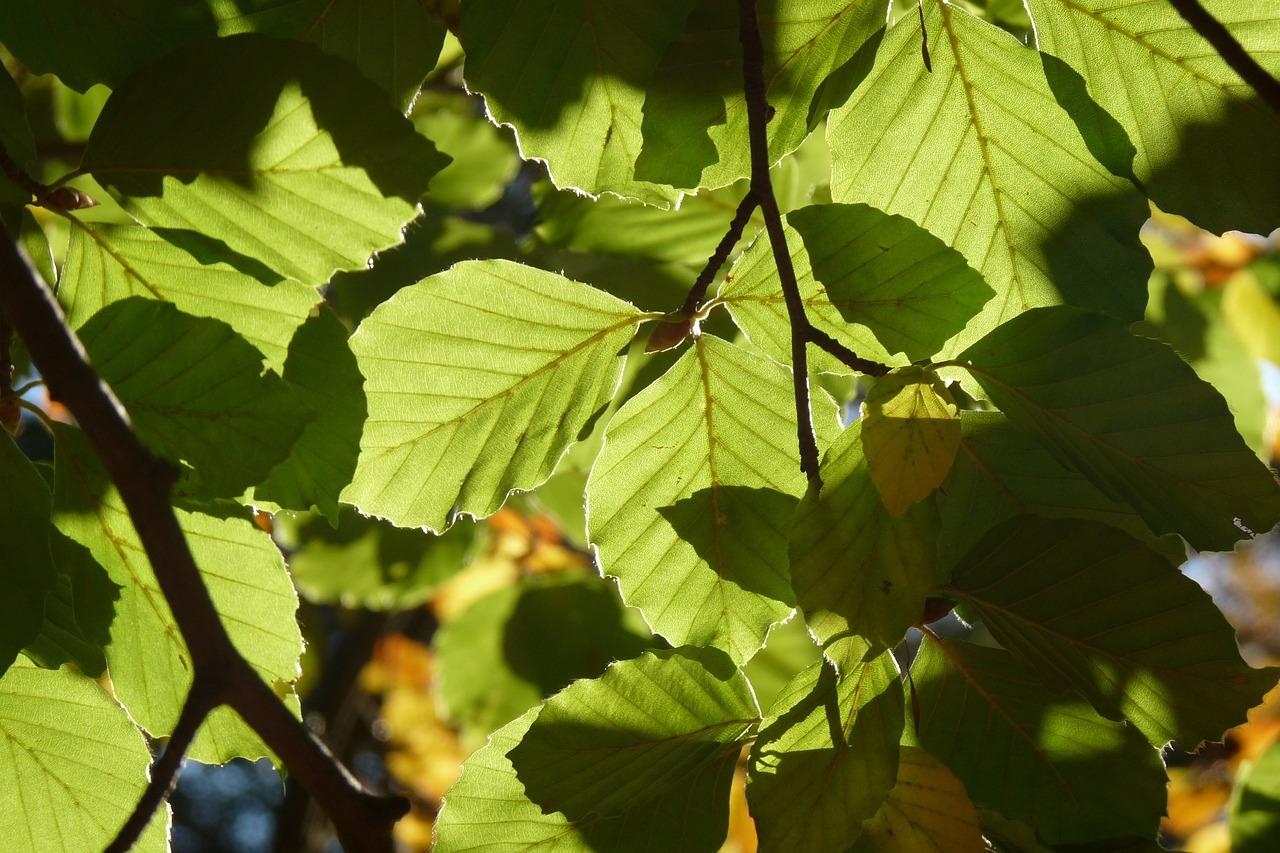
(362,821)
(850,358)
(1231,51)
(737,225)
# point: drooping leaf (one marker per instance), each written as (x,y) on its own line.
(106,263)
(640,730)
(487,809)
(195,391)
(826,756)
(72,765)
(272,147)
(1255,808)
(1030,754)
(928,811)
(1197,138)
(26,562)
(689,500)
(77,613)
(570,78)
(1133,417)
(148,659)
(855,567)
(980,154)
(910,435)
(478,379)
(887,273)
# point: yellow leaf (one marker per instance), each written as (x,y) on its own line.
(910,432)
(927,810)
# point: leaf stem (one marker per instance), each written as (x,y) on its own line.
(721,254)
(1231,51)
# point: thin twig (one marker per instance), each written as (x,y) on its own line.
(362,821)
(737,225)
(850,358)
(1231,51)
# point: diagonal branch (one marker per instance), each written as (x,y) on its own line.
(1231,51)
(737,225)
(362,821)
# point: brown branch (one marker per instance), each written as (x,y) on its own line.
(1231,51)
(362,821)
(737,225)
(850,358)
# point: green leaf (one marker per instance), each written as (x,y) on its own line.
(1253,315)
(1198,139)
(570,78)
(1087,605)
(149,663)
(72,766)
(195,391)
(478,380)
(890,275)
(272,147)
(1031,755)
(639,731)
(487,810)
(512,648)
(910,435)
(324,372)
(689,500)
(77,613)
(1255,807)
(979,153)
(364,563)
(855,567)
(17,143)
(1131,416)
(106,263)
(484,159)
(927,810)
(826,756)
(27,570)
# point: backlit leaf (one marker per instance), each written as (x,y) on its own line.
(910,435)
(26,563)
(1255,816)
(927,811)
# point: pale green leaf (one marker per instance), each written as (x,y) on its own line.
(27,570)
(195,391)
(638,731)
(1030,754)
(1087,605)
(484,157)
(910,435)
(980,154)
(787,650)
(106,263)
(1255,807)
(1131,416)
(689,501)
(148,660)
(1253,315)
(890,275)
(72,765)
(274,148)
(1198,138)
(826,756)
(478,379)
(855,567)
(928,811)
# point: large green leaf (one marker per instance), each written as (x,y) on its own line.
(980,153)
(1032,755)
(569,76)
(272,147)
(1198,139)
(910,433)
(1133,417)
(689,501)
(478,379)
(26,563)
(106,263)
(195,391)
(1255,806)
(928,810)
(855,567)
(487,810)
(826,756)
(639,731)
(72,765)
(887,273)
(1090,606)
(149,662)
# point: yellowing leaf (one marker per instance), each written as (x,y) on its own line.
(910,434)
(927,810)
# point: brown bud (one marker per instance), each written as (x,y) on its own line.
(67,198)
(669,333)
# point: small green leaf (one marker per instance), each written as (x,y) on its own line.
(78,613)
(478,380)
(27,569)
(640,730)
(910,434)
(826,756)
(1087,605)
(195,391)
(484,157)
(1255,806)
(271,147)
(1030,754)
(927,810)
(72,765)
(855,567)
(1131,416)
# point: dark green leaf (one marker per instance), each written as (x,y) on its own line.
(27,569)
(1255,806)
